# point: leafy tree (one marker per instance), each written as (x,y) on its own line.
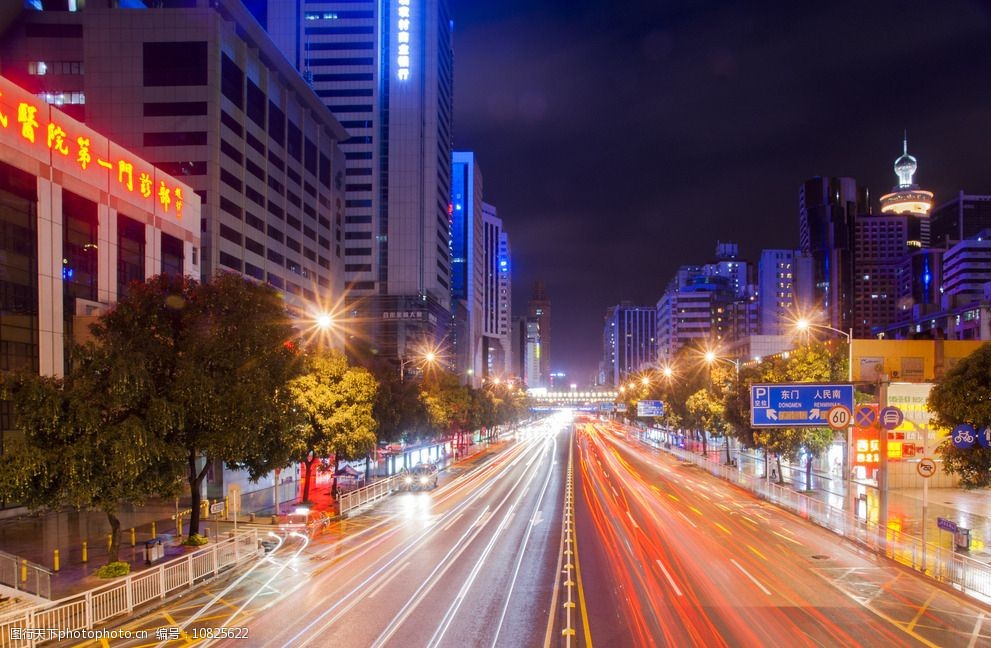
(963,396)
(705,412)
(84,445)
(207,366)
(336,401)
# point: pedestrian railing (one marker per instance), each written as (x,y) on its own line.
(25,576)
(119,598)
(941,563)
(366,494)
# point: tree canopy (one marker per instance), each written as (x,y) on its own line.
(963,395)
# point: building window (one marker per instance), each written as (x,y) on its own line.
(130,253)
(231,81)
(172,255)
(175,64)
(19,268)
(80,260)
(256,104)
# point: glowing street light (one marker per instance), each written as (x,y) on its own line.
(324,321)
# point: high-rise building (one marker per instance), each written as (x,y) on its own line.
(200,91)
(532,355)
(629,341)
(539,307)
(776,291)
(967,271)
(964,216)
(496,295)
(385,70)
(827,209)
(907,198)
(881,245)
(468,269)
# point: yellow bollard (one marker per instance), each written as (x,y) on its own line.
(227,508)
(132,537)
(153,534)
(178,527)
(55,562)
(110,541)
(24,570)
(85,553)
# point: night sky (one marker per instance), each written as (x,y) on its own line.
(620,139)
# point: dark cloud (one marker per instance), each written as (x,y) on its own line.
(620,139)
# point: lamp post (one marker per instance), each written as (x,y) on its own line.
(803,325)
(429,357)
(710,357)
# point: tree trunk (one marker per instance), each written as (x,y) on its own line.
(808,473)
(333,489)
(368,467)
(306,484)
(728,461)
(766,460)
(781,478)
(114,536)
(195,480)
(705,446)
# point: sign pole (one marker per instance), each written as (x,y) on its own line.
(882,473)
(925,495)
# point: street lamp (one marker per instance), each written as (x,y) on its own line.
(803,325)
(429,357)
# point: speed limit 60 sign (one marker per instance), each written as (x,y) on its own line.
(839,417)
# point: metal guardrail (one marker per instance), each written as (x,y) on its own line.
(940,563)
(119,598)
(25,576)
(361,496)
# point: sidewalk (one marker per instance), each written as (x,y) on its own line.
(968,509)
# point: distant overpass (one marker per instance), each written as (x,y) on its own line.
(572,397)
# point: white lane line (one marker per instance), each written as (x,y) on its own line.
(634,522)
(977,631)
(674,585)
(614,492)
(687,520)
(451,523)
(747,574)
(388,580)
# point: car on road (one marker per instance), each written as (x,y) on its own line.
(419,477)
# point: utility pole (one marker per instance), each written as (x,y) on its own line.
(882,473)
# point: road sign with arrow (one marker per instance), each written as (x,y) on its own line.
(797,404)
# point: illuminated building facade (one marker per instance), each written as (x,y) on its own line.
(467,268)
(827,210)
(496,295)
(965,216)
(629,341)
(384,68)
(908,198)
(200,90)
(539,308)
(81,217)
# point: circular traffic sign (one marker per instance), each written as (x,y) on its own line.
(838,417)
(984,437)
(963,436)
(891,417)
(926,467)
(865,416)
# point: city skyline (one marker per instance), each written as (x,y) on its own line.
(714,140)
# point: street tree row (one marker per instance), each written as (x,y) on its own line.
(179,375)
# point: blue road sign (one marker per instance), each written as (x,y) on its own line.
(650,408)
(606,407)
(984,437)
(891,418)
(865,416)
(946,525)
(796,404)
(964,435)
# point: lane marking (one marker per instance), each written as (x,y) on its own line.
(388,580)
(687,520)
(696,510)
(784,537)
(673,497)
(614,492)
(753,522)
(723,528)
(674,585)
(756,552)
(977,631)
(451,523)
(922,610)
(634,522)
(747,574)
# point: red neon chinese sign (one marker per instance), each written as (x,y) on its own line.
(27,122)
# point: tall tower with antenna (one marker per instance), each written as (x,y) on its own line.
(907,198)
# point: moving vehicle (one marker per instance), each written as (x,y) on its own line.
(419,477)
